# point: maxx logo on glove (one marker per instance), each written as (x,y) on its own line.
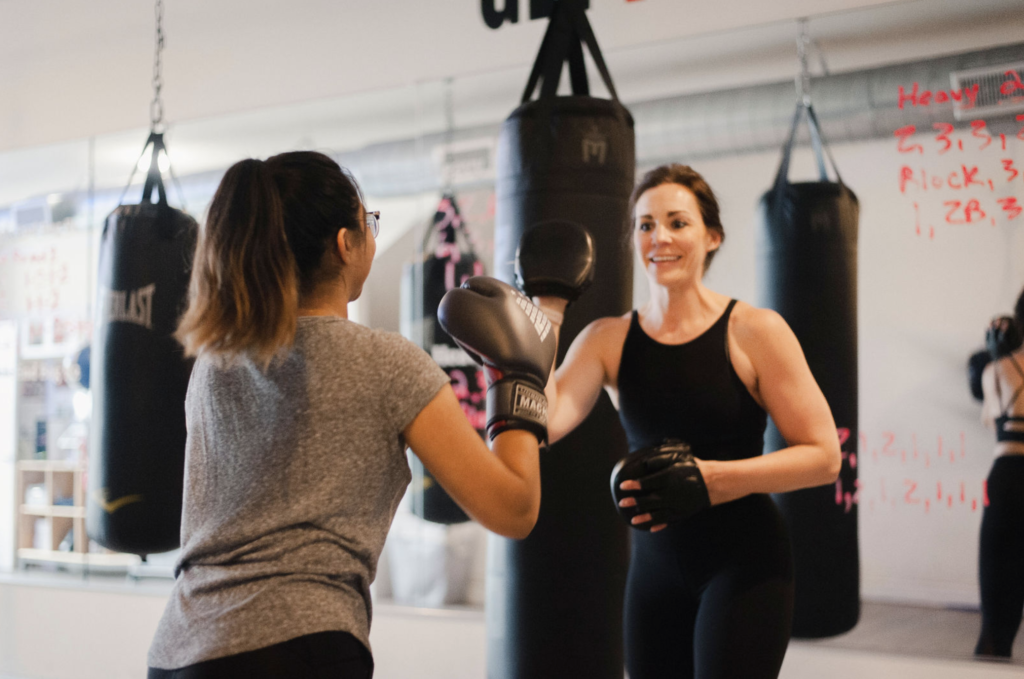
(527,404)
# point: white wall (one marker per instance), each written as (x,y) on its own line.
(70,633)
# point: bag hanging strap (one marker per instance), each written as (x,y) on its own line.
(538,64)
(821,149)
(577,70)
(583,29)
(453,224)
(154,179)
(567,29)
(557,53)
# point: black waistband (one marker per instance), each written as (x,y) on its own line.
(1010,429)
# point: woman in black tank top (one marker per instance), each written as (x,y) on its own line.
(709,596)
(1001,544)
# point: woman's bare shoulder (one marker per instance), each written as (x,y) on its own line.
(751,324)
(608,327)
(604,335)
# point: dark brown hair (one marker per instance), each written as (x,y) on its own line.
(267,243)
(684,175)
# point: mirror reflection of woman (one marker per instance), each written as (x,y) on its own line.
(710,596)
(1001,552)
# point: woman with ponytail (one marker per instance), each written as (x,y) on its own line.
(297,425)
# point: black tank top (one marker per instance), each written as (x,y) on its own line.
(1010,428)
(689,392)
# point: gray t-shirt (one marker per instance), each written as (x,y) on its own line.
(292,478)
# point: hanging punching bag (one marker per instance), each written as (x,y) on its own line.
(807,271)
(554,599)
(443,264)
(139,374)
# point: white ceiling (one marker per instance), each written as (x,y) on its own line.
(241,99)
(70,69)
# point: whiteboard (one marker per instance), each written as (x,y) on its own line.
(937,259)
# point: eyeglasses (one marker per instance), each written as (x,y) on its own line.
(373,222)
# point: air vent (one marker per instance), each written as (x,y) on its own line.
(467,160)
(31,213)
(1000,91)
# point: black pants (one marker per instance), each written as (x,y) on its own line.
(325,655)
(1001,557)
(712,597)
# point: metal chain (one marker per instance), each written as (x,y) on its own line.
(803,78)
(448,171)
(821,57)
(156,107)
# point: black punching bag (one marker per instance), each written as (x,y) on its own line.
(554,600)
(807,271)
(444,263)
(139,374)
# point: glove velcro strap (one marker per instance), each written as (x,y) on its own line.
(516,404)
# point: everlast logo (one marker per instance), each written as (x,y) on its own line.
(595,147)
(130,306)
(530,403)
(539,9)
(539,319)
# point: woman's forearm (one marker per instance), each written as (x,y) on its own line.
(514,504)
(793,468)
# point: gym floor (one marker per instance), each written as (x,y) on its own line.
(36,608)
(810,661)
(900,641)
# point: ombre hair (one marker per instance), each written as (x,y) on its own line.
(268,243)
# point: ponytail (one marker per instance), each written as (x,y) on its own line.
(243,296)
(268,243)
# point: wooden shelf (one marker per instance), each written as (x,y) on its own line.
(51,523)
(78,559)
(44,527)
(65,511)
(50,466)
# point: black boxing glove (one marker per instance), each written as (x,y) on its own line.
(1003,337)
(502,330)
(671,485)
(975,367)
(555,258)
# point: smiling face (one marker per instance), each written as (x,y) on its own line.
(670,237)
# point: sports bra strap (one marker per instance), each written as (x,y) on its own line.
(1016,394)
(725,317)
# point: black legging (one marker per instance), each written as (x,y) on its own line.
(325,655)
(712,597)
(1001,557)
